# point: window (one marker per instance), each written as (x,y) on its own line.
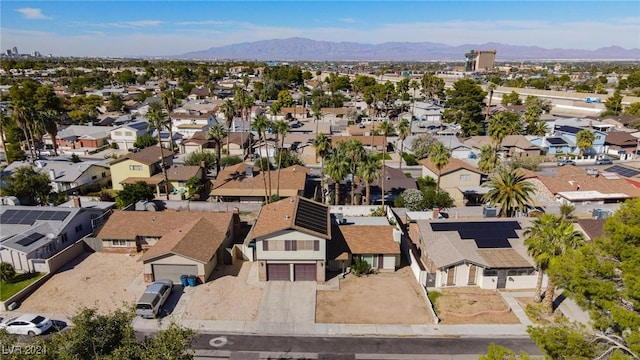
(290,245)
(265,245)
(520,272)
(490,272)
(78,228)
(316,245)
(118,133)
(118,242)
(64,238)
(182,183)
(465,177)
(451,278)
(94,177)
(104,174)
(135,167)
(472,274)
(129,133)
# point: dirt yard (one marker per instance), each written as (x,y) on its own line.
(227,296)
(384,298)
(100,280)
(473,306)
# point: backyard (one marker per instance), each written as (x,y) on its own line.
(383,298)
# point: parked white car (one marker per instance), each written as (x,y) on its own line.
(27,324)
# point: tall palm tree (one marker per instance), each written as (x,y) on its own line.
(169,101)
(282,128)
(158,119)
(217,133)
(368,171)
(353,151)
(584,140)
(547,238)
(385,128)
(490,89)
(229,111)
(510,189)
(337,169)
(414,85)
(322,145)
(439,156)
(404,129)
(49,119)
(488,159)
(501,125)
(23,116)
(260,125)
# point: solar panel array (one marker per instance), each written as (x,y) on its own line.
(623,171)
(30,239)
(28,217)
(556,141)
(312,216)
(486,234)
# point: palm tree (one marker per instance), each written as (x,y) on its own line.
(4,121)
(414,85)
(22,115)
(228,110)
(353,151)
(169,101)
(404,129)
(509,189)
(501,125)
(584,140)
(260,125)
(49,121)
(337,169)
(157,119)
(439,156)
(385,128)
(216,133)
(547,238)
(322,145)
(369,171)
(488,159)
(490,88)
(282,128)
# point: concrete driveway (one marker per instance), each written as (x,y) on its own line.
(288,302)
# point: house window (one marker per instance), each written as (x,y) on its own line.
(118,133)
(182,183)
(78,228)
(306,245)
(135,167)
(64,238)
(129,133)
(104,174)
(316,245)
(290,245)
(118,242)
(265,245)
(465,177)
(94,177)
(451,276)
(490,272)
(472,274)
(520,272)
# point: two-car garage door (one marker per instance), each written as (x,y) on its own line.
(282,272)
(173,272)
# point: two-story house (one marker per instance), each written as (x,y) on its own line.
(79,136)
(141,166)
(124,136)
(456,178)
(570,133)
(290,240)
(187,124)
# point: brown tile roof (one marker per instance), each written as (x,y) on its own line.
(232,181)
(281,215)
(179,173)
(592,227)
(336,111)
(197,239)
(519,141)
(130,224)
(453,165)
(378,140)
(152,181)
(568,178)
(194,115)
(620,138)
(147,156)
(370,239)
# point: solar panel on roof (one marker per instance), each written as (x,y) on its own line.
(556,141)
(312,216)
(60,215)
(491,234)
(623,171)
(30,239)
(7,216)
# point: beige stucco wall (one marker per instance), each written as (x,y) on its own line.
(451,181)
(120,171)
(174,260)
(291,255)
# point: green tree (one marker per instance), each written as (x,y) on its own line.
(197,157)
(613,104)
(404,130)
(260,125)
(288,158)
(168,102)
(281,128)
(368,171)
(158,120)
(322,145)
(217,133)
(337,168)
(412,199)
(512,98)
(464,106)
(145,140)
(116,102)
(497,352)
(194,187)
(432,86)
(49,122)
(439,156)
(385,128)
(563,341)
(510,190)
(489,160)
(229,111)
(7,272)
(353,151)
(422,145)
(584,140)
(132,193)
(632,109)
(29,186)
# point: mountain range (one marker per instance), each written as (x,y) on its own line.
(301,49)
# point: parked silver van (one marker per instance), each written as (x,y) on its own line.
(154,297)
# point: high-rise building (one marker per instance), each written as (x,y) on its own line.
(480,60)
(14,51)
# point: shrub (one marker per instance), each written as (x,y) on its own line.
(230,160)
(360,267)
(7,273)
(410,159)
(433,297)
(379,211)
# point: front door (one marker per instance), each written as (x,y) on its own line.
(502,279)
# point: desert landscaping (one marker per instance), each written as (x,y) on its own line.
(473,306)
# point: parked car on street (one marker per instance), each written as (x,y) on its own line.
(27,324)
(566,162)
(604,161)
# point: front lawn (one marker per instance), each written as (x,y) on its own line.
(21,281)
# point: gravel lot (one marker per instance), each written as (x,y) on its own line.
(100,280)
(384,298)
(227,296)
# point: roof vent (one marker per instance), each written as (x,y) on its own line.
(290,199)
(287,217)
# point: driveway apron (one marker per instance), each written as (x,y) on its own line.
(288,302)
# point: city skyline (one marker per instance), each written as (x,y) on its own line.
(163,28)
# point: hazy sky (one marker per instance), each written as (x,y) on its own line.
(136,28)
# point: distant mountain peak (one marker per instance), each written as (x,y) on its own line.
(300,49)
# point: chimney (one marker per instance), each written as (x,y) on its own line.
(76,202)
(249,171)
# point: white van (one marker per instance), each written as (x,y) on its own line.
(150,304)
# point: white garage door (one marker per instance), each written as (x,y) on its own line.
(173,272)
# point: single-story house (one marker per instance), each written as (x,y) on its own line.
(378,245)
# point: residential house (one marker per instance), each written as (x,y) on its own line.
(457,149)
(178,177)
(187,124)
(294,113)
(373,143)
(175,243)
(591,228)
(290,239)
(378,245)
(487,253)
(519,146)
(395,182)
(242,182)
(80,136)
(30,236)
(457,178)
(570,133)
(141,166)
(553,145)
(198,93)
(124,136)
(66,176)
(620,142)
